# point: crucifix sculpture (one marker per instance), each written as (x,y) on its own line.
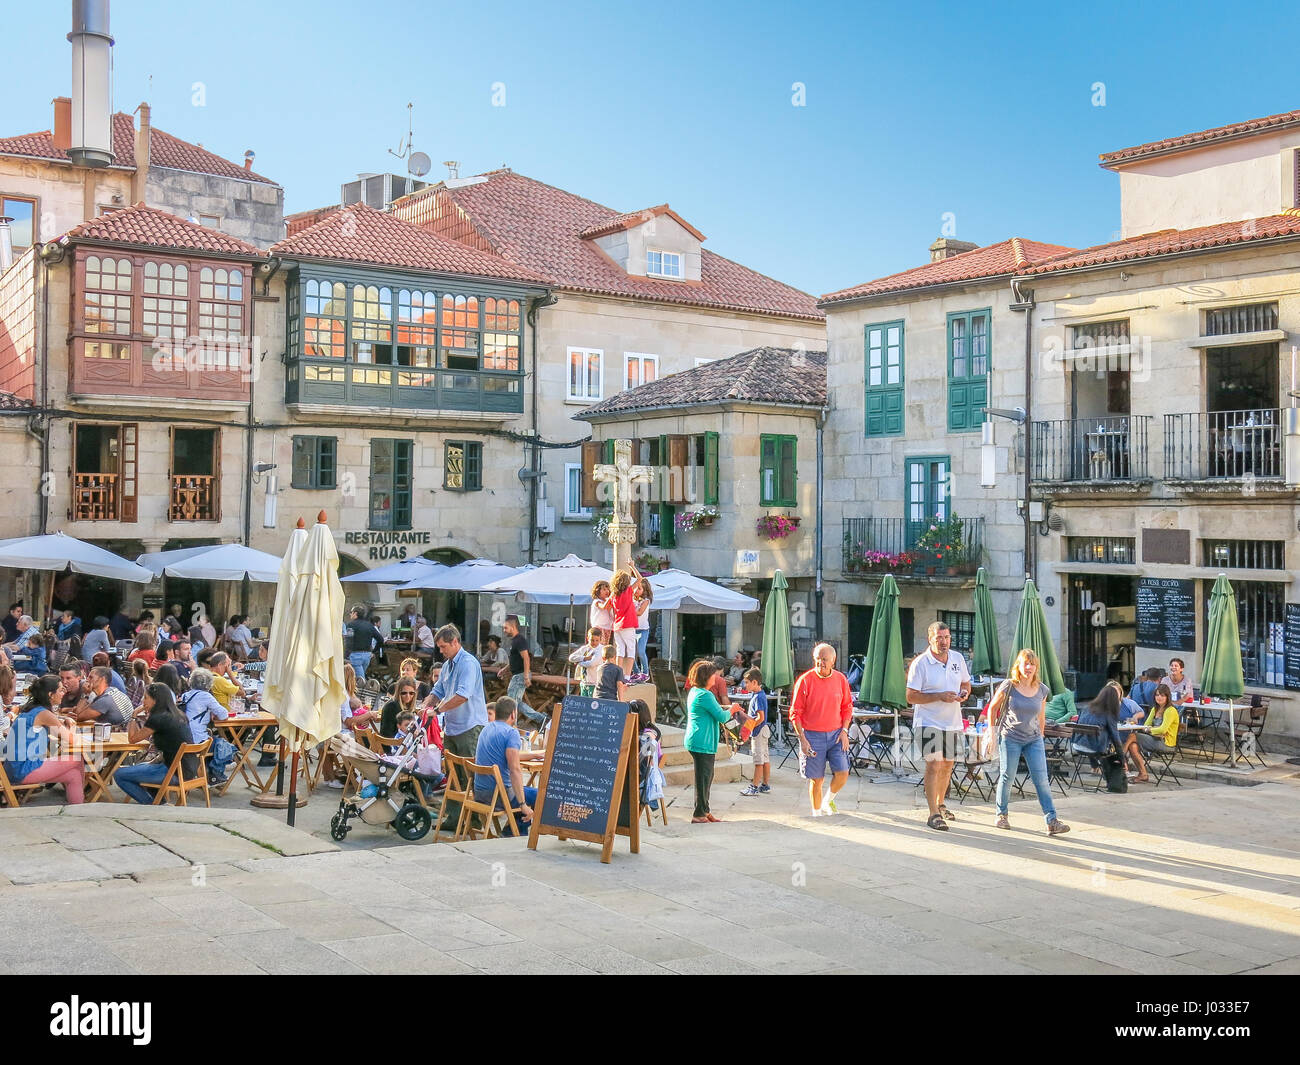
(621,476)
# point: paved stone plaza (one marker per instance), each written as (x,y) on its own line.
(1203,879)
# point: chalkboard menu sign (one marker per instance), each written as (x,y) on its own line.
(590,776)
(1166,613)
(1291,647)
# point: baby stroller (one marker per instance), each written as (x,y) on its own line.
(380,790)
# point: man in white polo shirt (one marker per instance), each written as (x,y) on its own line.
(937,684)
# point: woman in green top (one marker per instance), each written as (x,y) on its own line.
(703,716)
(1163,723)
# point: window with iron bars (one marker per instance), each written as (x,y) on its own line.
(961,623)
(1244,318)
(1101,334)
(1261,624)
(1112,550)
(1243,554)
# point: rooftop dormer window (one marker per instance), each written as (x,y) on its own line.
(663,264)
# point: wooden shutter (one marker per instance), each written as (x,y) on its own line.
(638,490)
(591,457)
(216,474)
(667,527)
(711,468)
(128,459)
(679,461)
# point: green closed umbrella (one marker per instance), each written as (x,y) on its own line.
(884,683)
(987,655)
(1221,671)
(1033,634)
(778,654)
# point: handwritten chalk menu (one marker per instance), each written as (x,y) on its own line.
(1291,647)
(1166,613)
(590,776)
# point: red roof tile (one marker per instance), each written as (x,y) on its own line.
(298,221)
(541,227)
(1271,123)
(164,151)
(636,218)
(361,234)
(994,260)
(158,229)
(1171,241)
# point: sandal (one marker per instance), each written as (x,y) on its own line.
(937,822)
(947,814)
(699,820)
(712,820)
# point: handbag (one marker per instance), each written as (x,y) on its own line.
(1112,766)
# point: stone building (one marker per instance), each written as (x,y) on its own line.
(739,438)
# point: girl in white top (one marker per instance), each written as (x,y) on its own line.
(601,614)
(644,596)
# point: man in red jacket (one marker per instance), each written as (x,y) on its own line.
(821,711)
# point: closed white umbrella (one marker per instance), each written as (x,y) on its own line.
(304,671)
(58,552)
(218,562)
(472,575)
(675,589)
(396,572)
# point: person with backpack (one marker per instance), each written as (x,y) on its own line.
(201,708)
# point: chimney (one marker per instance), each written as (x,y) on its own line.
(947,247)
(453,169)
(143,144)
(92,85)
(249,156)
(6,244)
(62,123)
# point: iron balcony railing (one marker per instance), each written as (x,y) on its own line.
(1091,449)
(1223,444)
(902,547)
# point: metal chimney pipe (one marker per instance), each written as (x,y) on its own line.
(6,243)
(92,84)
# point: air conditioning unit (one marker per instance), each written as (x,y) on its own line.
(545,517)
(379,190)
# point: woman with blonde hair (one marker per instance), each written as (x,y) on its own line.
(1016,718)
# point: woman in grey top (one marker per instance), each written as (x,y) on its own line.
(1016,716)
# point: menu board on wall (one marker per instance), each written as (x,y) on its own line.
(1291,647)
(1166,613)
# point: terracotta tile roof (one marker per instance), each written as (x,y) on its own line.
(300,220)
(1271,123)
(158,229)
(8,401)
(762,375)
(635,218)
(541,227)
(1171,241)
(164,150)
(994,260)
(361,234)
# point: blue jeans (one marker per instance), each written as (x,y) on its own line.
(360,661)
(130,777)
(1009,751)
(530,800)
(516,692)
(642,662)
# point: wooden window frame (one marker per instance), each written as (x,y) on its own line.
(402,509)
(315,479)
(467,467)
(778,498)
(956,385)
(884,391)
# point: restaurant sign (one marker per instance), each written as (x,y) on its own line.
(384,545)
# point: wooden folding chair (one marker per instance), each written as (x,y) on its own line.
(489,811)
(11,791)
(175,782)
(648,813)
(670,705)
(458,787)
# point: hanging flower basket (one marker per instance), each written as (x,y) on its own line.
(776,526)
(647,562)
(688,520)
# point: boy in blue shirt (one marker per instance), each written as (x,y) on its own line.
(499,744)
(759,785)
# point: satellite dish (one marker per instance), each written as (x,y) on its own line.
(418,164)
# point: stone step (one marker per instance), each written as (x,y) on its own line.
(681,756)
(728,772)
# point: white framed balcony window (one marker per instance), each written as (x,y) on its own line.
(663,264)
(639,369)
(586,375)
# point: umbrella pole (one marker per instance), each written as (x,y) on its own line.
(1232,736)
(49,607)
(279,770)
(293,787)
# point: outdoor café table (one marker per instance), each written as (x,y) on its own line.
(1221,708)
(860,736)
(103,759)
(245,731)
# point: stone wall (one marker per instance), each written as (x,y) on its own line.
(250,210)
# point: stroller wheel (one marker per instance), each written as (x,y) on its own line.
(412,822)
(339,827)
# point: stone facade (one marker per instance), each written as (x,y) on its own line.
(250,210)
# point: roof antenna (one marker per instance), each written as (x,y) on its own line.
(417,163)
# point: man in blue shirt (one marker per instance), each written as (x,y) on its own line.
(458,696)
(499,745)
(97,639)
(68,627)
(1143,691)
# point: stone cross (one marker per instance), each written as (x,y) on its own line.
(622,475)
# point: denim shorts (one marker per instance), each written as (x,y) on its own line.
(939,744)
(826,748)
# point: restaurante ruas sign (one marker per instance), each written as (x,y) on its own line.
(388,544)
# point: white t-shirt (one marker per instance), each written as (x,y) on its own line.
(600,617)
(930,675)
(642,614)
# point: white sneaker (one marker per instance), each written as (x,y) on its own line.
(334,784)
(829,807)
(820,812)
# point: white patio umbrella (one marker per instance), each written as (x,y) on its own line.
(472,575)
(58,552)
(567,580)
(675,589)
(396,572)
(304,669)
(216,562)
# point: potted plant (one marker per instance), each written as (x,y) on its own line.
(776,526)
(942,544)
(600,524)
(648,562)
(688,520)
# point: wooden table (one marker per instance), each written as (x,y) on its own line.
(246,732)
(110,754)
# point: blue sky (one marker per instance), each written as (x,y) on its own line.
(912,111)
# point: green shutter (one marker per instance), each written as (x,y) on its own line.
(777,471)
(711,468)
(883,376)
(667,527)
(402,474)
(969,345)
